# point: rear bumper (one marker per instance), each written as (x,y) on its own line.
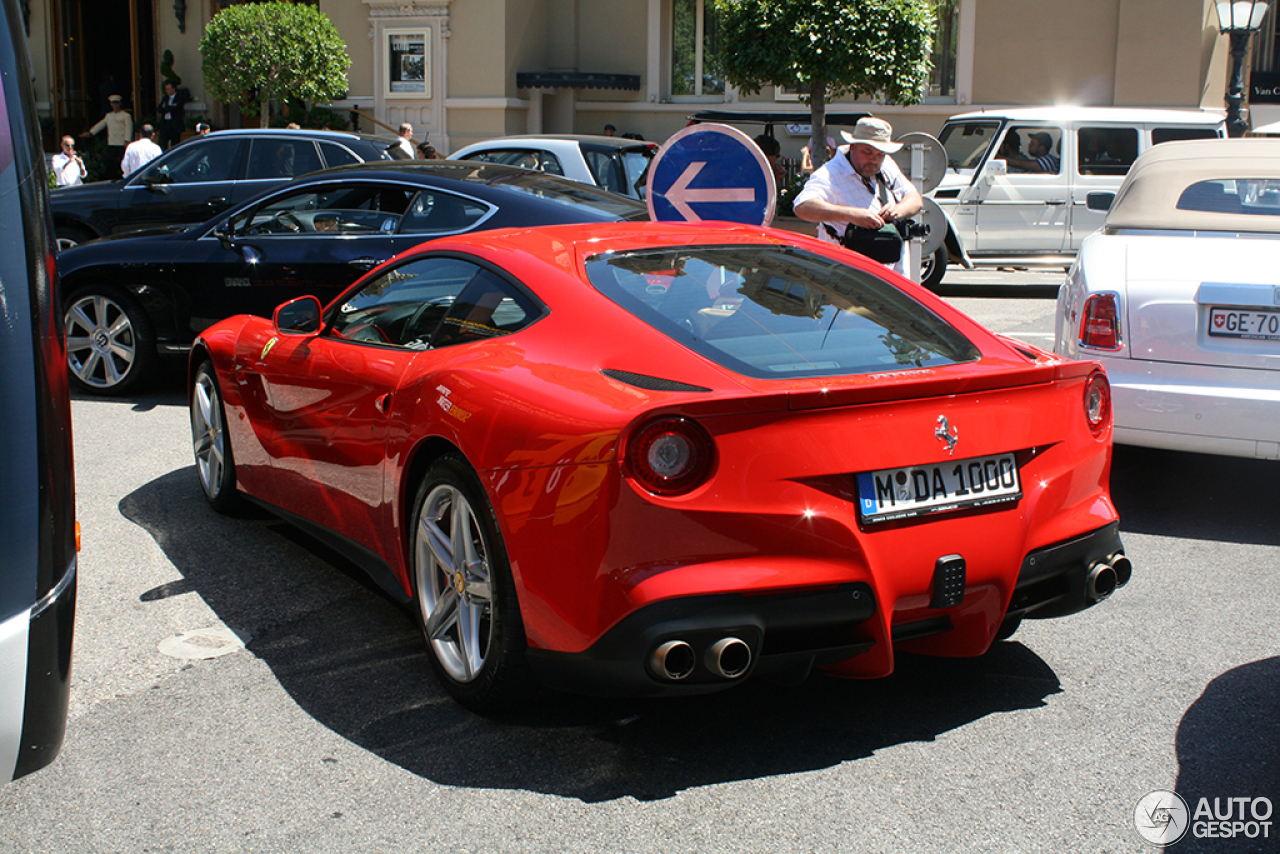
(1197,408)
(787,634)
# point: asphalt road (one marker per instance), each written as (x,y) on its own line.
(326,733)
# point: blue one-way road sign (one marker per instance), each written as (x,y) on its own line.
(711,171)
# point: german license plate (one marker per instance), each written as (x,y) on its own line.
(891,494)
(1258,324)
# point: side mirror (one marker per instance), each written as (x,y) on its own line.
(299,316)
(995,169)
(225,234)
(1100,202)
(156,180)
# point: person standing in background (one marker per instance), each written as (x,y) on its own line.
(68,167)
(119,126)
(141,152)
(402,148)
(169,116)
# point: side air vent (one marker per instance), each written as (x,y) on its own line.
(651,383)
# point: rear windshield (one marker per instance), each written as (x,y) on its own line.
(573,194)
(778,312)
(1251,196)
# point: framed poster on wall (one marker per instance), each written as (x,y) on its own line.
(408,63)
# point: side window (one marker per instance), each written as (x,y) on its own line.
(1107,150)
(208,160)
(606,170)
(336,155)
(489,308)
(282,158)
(363,209)
(1159,135)
(525,158)
(441,213)
(404,306)
(1032,149)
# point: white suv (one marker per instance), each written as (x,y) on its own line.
(1000,211)
(615,163)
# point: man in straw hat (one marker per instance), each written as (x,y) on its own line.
(860,185)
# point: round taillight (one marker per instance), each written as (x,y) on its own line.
(670,456)
(1097,402)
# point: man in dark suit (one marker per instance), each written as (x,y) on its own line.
(169,118)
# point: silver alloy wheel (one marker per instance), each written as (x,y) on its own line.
(451,564)
(208,435)
(102,345)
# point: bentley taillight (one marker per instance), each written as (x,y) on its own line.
(1097,402)
(670,456)
(1100,323)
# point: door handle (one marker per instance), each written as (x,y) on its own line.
(1057,202)
(382,402)
(216,201)
(366,263)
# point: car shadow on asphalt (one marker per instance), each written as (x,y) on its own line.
(1195,496)
(1229,747)
(355,661)
(165,387)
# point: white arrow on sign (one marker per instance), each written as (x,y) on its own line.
(681,196)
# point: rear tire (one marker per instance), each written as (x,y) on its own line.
(215,463)
(466,597)
(69,236)
(1008,628)
(111,346)
(933,268)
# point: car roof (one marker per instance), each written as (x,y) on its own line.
(563,138)
(1129,115)
(336,135)
(1148,198)
(469,171)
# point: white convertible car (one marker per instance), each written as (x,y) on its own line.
(1178,295)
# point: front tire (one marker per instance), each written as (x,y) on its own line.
(215,463)
(111,346)
(467,604)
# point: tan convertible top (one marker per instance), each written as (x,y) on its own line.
(1149,196)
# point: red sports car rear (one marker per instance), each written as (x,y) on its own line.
(648,458)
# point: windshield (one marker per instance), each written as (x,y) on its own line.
(778,312)
(966,143)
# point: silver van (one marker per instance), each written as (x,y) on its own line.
(37,527)
(1005,206)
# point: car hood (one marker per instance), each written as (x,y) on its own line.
(152,245)
(84,197)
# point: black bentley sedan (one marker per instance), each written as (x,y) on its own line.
(201,177)
(131,298)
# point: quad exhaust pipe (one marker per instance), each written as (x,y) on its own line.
(675,660)
(1107,575)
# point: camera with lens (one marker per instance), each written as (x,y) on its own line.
(910,229)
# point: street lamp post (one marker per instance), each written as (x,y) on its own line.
(1239,20)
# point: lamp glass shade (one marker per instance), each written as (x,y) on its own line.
(1241,14)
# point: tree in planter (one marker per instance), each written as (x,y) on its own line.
(274,50)
(828,49)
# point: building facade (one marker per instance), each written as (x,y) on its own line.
(466,70)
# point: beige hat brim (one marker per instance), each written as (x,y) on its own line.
(886,147)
